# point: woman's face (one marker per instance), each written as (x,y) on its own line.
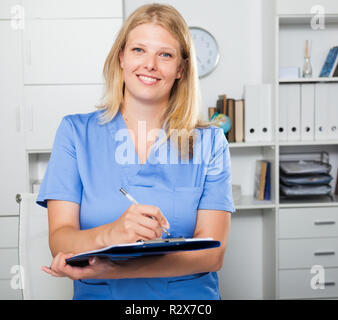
(151,63)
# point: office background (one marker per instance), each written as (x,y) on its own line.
(44,78)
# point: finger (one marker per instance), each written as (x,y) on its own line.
(154,212)
(51,272)
(59,264)
(151,224)
(144,233)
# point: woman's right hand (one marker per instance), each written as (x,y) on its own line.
(138,222)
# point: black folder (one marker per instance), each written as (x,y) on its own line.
(144,248)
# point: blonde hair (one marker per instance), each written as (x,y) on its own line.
(182,113)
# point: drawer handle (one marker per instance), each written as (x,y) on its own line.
(324,253)
(319,223)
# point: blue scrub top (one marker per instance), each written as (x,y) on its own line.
(90,162)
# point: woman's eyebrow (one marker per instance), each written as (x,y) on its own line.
(140,44)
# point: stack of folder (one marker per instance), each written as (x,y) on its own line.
(305,178)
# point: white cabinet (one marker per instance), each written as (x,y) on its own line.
(12,159)
(50,9)
(10,9)
(67,51)
(51,65)
(46,105)
(308,237)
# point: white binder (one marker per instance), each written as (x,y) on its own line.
(326,111)
(333,111)
(307,111)
(251,115)
(265,112)
(293,123)
(283,113)
(321,112)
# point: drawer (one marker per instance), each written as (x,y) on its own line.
(308,222)
(296,284)
(8,258)
(7,293)
(305,253)
(9,228)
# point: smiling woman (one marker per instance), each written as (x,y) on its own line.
(151,83)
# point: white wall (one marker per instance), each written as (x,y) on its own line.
(237,25)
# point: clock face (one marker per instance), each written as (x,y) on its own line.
(207,52)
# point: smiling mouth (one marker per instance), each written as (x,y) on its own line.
(148,80)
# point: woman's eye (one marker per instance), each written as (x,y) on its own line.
(138,50)
(166,55)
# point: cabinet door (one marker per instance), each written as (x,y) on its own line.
(72,9)
(64,51)
(46,105)
(12,159)
(9,228)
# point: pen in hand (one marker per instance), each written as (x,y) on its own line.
(130,198)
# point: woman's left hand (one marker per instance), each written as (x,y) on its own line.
(97,269)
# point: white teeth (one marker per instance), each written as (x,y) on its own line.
(147,79)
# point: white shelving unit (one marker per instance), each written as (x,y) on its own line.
(286,273)
(296,250)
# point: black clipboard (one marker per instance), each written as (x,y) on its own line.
(128,251)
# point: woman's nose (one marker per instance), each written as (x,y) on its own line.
(150,63)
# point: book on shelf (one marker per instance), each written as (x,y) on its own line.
(335,72)
(211,112)
(262,180)
(234,109)
(221,104)
(334,69)
(267,188)
(329,62)
(239,120)
(231,115)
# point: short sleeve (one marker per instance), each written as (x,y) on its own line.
(62,179)
(217,189)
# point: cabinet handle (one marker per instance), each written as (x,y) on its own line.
(324,253)
(319,223)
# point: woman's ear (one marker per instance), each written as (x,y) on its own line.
(181,68)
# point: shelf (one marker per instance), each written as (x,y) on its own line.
(308,143)
(305,19)
(324,202)
(308,80)
(248,202)
(251,144)
(31,151)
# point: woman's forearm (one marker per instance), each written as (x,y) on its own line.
(172,265)
(71,240)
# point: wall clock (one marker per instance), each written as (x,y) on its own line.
(207,50)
